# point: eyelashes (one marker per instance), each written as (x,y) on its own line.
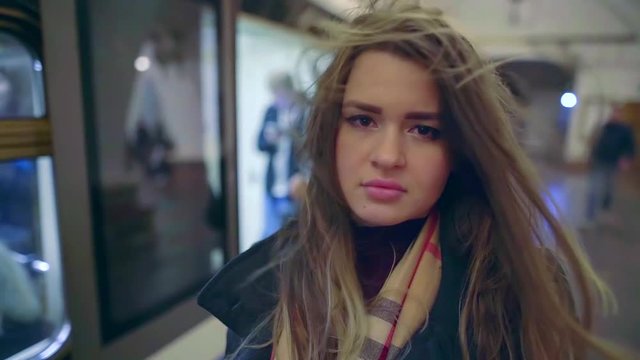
(425,132)
(360,121)
(428,132)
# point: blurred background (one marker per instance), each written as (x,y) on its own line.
(139,152)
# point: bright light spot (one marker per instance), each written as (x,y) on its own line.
(40,265)
(37,65)
(568,100)
(142,63)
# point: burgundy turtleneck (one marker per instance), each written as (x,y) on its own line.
(378,251)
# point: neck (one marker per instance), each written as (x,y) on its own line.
(378,250)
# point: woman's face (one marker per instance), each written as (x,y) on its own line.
(391,160)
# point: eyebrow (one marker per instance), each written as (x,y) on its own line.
(413,115)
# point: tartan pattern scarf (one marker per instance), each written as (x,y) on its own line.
(403,304)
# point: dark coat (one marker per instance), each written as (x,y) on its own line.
(615,142)
(271,116)
(241,302)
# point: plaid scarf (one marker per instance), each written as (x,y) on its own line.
(403,304)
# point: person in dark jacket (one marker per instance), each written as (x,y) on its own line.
(613,151)
(422,231)
(279,139)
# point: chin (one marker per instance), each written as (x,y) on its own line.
(378,218)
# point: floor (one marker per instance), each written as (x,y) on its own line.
(612,243)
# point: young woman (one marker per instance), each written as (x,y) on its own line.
(423,233)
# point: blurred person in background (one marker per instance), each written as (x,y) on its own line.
(149,142)
(613,151)
(8,98)
(18,297)
(22,321)
(279,138)
(22,309)
(423,232)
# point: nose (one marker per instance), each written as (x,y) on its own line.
(388,152)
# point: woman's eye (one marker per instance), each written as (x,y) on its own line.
(427,132)
(360,120)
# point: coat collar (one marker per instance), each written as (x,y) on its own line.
(242,300)
(244,292)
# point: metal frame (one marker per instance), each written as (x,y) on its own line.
(228,14)
(67,111)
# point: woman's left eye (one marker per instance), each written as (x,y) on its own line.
(425,131)
(362,121)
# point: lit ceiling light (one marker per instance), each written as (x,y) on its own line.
(40,266)
(142,63)
(568,100)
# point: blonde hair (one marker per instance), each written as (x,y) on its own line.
(513,286)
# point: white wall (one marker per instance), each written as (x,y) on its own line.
(262,48)
(605,73)
(493,19)
(178,105)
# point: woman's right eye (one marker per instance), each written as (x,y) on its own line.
(360,121)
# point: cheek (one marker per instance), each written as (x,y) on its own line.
(341,154)
(433,171)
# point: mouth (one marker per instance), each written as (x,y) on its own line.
(384,190)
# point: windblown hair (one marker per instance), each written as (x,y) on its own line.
(517,299)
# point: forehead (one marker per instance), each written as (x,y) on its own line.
(389,81)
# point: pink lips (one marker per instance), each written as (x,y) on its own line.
(384,190)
